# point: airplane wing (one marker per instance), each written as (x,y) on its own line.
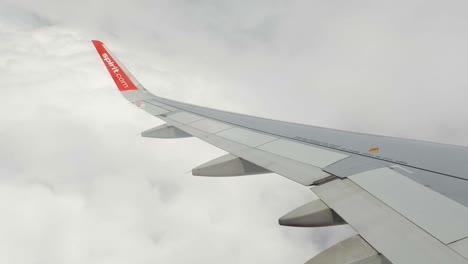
(406,199)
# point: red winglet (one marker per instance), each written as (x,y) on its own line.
(121,79)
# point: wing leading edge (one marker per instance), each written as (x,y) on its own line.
(357,176)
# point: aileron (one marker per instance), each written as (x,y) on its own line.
(304,153)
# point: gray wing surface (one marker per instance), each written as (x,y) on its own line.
(406,199)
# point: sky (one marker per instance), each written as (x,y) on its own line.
(79,185)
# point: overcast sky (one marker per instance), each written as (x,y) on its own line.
(79,185)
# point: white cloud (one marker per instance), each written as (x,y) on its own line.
(78,185)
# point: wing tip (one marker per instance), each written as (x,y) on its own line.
(117,71)
(97,42)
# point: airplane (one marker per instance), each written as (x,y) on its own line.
(406,199)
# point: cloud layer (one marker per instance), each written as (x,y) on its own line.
(78,185)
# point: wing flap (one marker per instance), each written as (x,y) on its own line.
(400,240)
(441,217)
